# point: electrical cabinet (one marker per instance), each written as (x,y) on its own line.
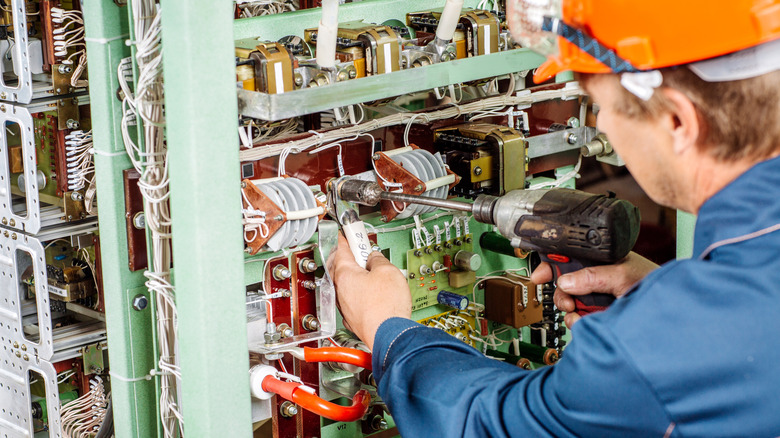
(166,205)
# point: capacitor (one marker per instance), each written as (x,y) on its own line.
(452,299)
(467,260)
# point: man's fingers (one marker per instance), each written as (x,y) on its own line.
(563,301)
(570,319)
(375,260)
(589,280)
(542,274)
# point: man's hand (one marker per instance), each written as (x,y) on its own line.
(368,297)
(614,279)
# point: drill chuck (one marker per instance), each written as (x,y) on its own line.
(482,209)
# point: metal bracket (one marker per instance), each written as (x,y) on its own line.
(16,419)
(13,265)
(22,92)
(30,219)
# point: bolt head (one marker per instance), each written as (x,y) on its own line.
(477,171)
(140,302)
(418,188)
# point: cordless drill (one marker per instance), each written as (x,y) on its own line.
(570,229)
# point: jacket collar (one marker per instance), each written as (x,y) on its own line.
(746,208)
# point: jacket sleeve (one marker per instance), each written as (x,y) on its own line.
(435,385)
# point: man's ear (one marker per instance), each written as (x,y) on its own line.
(682,120)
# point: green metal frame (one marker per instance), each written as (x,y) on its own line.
(129,332)
(208,248)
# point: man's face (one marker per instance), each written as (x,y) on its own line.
(641,143)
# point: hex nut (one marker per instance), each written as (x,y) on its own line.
(140,302)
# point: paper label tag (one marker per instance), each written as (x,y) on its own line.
(466,225)
(58,291)
(447,230)
(428,237)
(417,238)
(456,222)
(437,232)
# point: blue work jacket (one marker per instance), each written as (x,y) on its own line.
(692,350)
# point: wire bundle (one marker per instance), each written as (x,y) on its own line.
(149,158)
(256,8)
(78,153)
(495,103)
(81,418)
(70,40)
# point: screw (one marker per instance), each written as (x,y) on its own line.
(140,302)
(278,217)
(447,245)
(16,344)
(26,357)
(437,248)
(298,79)
(352,73)
(573,122)
(12,222)
(468,240)
(72,124)
(428,250)
(3,95)
(308,284)
(342,76)
(24,347)
(4,221)
(311,323)
(417,253)
(285,330)
(271,336)
(288,409)
(13,236)
(76,196)
(571,138)
(384,218)
(307,265)
(418,188)
(18,354)
(411,276)
(376,157)
(5,233)
(139,221)
(378,423)
(64,69)
(458,242)
(2,108)
(477,171)
(286,293)
(281,273)
(70,217)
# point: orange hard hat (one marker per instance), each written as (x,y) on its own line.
(602,36)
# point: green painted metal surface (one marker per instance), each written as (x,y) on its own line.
(686,223)
(272,28)
(129,332)
(201,110)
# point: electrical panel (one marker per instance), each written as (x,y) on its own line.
(416,97)
(52,324)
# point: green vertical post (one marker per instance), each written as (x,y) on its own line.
(130,342)
(686,224)
(202,112)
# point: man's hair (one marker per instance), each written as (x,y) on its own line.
(740,119)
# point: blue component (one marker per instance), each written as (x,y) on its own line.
(453,300)
(59,257)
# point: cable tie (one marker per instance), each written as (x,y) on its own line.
(129,379)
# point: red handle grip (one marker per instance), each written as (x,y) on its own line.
(350,356)
(292,391)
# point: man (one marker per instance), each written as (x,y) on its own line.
(691,349)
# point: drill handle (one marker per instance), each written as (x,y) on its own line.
(583,304)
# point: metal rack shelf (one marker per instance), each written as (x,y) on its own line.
(311,100)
